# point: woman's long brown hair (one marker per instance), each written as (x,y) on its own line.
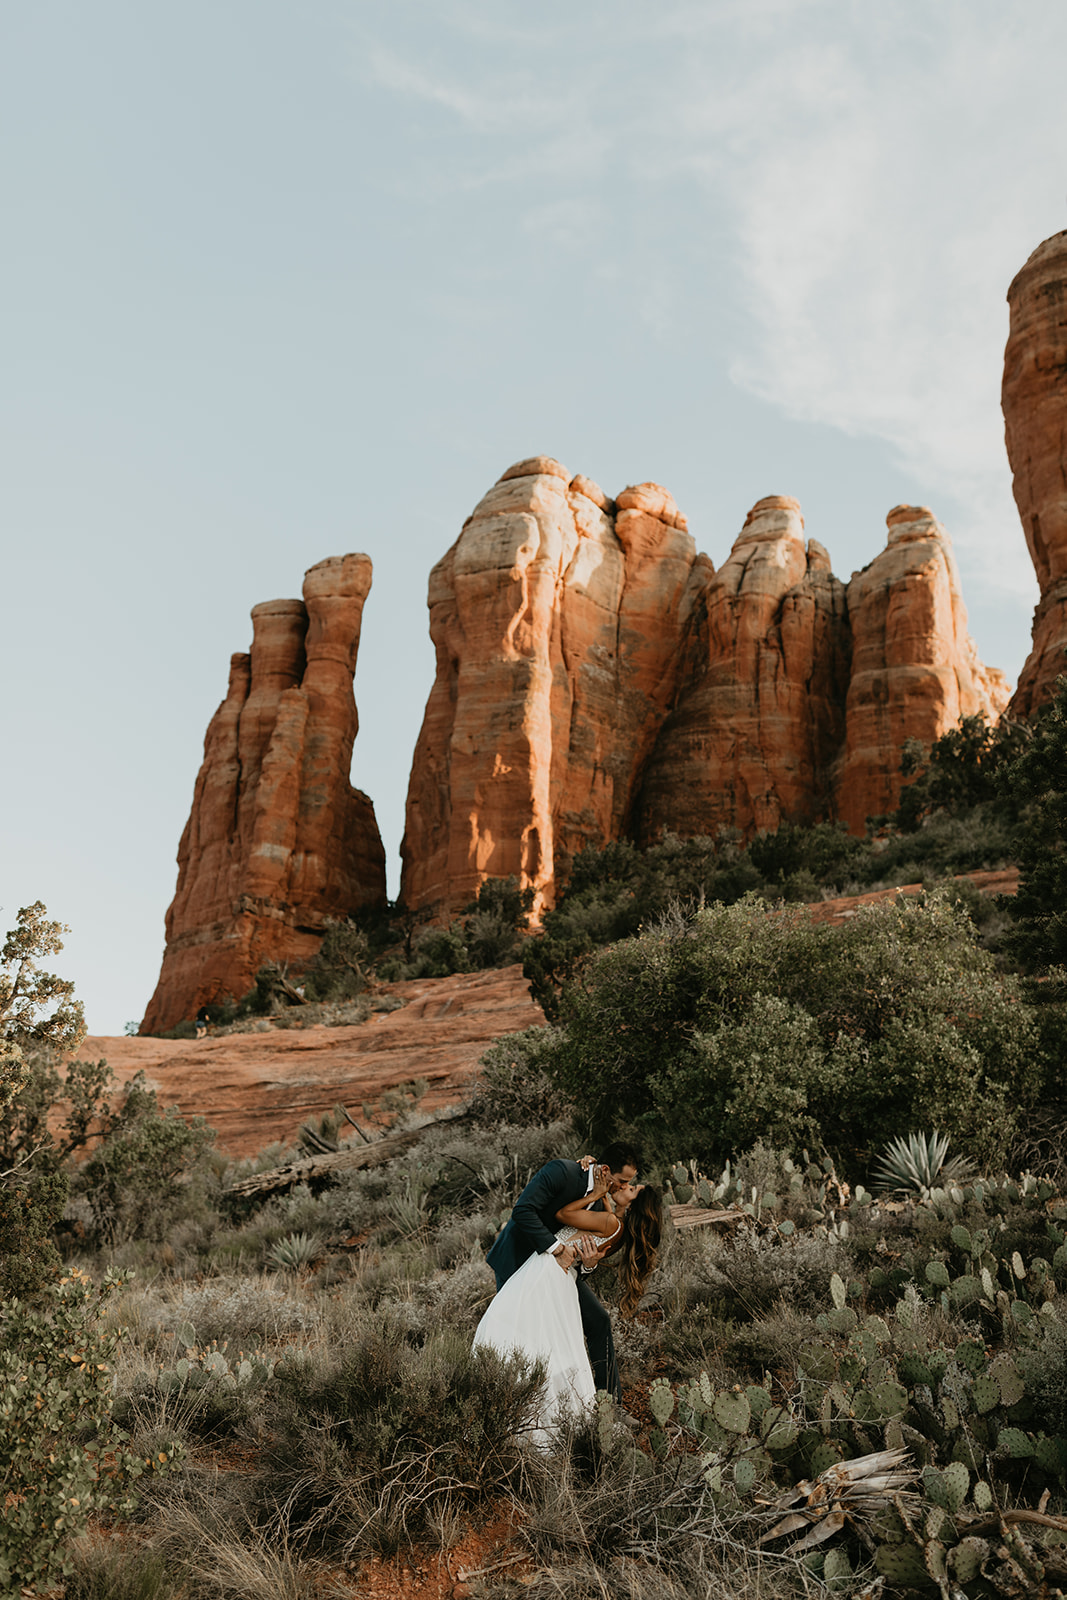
(640,1241)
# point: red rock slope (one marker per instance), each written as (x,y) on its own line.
(255,1088)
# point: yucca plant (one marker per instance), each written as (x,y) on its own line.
(915,1165)
(295,1250)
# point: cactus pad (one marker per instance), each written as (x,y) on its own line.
(744,1475)
(965,1560)
(957,1481)
(1051,1455)
(732,1411)
(1009,1380)
(837,1569)
(902,1565)
(826,1455)
(890,1399)
(934,1561)
(937,1274)
(683,1193)
(913,1369)
(966,1290)
(661,1400)
(986,1392)
(971,1356)
(837,1290)
(961,1238)
(1014,1442)
(778,1430)
(818,1362)
(983,1496)
(935,1487)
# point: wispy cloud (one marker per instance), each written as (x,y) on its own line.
(853,165)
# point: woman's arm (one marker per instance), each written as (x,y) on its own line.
(579,1215)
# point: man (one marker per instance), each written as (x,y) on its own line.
(533,1226)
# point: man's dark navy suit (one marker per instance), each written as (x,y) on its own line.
(533,1227)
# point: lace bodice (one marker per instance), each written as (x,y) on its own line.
(567,1234)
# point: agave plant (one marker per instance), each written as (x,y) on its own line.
(295,1250)
(915,1165)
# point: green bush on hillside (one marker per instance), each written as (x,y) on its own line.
(745,1023)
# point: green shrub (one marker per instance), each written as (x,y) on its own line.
(61,1455)
(340,967)
(1039,778)
(136,1176)
(732,1022)
(515,1082)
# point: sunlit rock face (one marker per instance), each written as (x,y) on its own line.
(598,680)
(1034,397)
(555,618)
(278,839)
(914,670)
(758,717)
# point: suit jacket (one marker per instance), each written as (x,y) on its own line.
(533,1226)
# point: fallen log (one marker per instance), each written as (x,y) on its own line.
(690,1216)
(322,1168)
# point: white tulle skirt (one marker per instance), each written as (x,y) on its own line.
(536,1313)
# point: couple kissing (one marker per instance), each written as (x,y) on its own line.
(569,1217)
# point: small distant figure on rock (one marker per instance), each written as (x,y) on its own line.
(202,1020)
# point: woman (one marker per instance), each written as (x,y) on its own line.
(536,1312)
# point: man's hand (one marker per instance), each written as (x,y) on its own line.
(594,1255)
(583,1250)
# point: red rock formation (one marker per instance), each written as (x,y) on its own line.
(1034,398)
(554,617)
(596,680)
(759,714)
(277,839)
(915,671)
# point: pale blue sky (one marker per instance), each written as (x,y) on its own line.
(284,280)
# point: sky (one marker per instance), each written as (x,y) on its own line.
(287,278)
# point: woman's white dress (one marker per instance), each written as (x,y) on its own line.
(537,1314)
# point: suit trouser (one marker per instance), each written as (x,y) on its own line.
(596,1325)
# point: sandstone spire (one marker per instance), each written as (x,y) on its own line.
(1034,398)
(759,712)
(555,621)
(277,839)
(915,670)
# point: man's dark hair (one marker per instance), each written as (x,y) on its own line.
(620,1154)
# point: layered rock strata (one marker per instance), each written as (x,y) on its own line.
(915,670)
(599,680)
(555,618)
(1034,398)
(277,839)
(758,718)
